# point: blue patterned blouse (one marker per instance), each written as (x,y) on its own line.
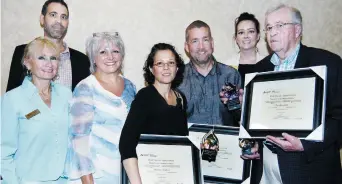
(98,117)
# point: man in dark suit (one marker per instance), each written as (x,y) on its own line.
(74,65)
(290,160)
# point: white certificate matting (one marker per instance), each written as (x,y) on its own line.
(283,104)
(165,164)
(228,163)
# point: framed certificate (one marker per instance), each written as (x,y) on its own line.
(167,159)
(228,166)
(291,101)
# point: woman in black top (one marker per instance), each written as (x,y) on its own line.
(157,108)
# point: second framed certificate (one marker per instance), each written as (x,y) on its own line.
(228,166)
(167,159)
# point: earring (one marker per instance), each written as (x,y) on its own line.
(28,73)
(56,77)
(256,49)
(236,47)
(121,70)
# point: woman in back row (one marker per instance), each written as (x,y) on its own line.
(246,36)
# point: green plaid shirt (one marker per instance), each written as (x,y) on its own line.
(288,63)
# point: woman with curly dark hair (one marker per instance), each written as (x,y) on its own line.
(157,109)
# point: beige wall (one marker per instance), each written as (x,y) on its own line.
(144,23)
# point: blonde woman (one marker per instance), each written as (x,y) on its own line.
(35,121)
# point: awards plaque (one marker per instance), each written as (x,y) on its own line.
(167,160)
(209,146)
(291,101)
(246,146)
(230,92)
(228,166)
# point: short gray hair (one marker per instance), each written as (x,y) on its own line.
(93,45)
(296,15)
(196,24)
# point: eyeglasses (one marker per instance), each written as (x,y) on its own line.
(162,65)
(115,34)
(278,26)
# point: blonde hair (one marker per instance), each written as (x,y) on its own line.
(38,43)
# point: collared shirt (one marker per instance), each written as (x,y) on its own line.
(271,172)
(34,148)
(288,63)
(202,93)
(64,75)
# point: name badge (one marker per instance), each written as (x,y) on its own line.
(32,114)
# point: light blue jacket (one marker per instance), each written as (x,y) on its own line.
(34,149)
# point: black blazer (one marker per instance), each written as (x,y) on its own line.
(79,66)
(319,162)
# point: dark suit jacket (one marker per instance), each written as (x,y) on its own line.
(319,163)
(79,65)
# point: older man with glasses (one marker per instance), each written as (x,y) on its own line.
(290,160)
